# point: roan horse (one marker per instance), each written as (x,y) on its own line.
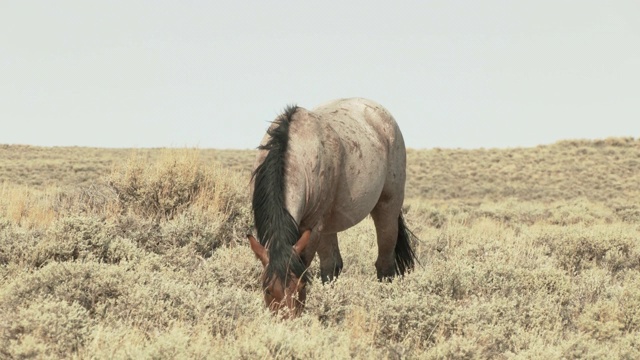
(318,173)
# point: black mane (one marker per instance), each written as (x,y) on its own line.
(277,230)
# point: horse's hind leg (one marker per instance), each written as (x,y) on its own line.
(385,217)
(330,259)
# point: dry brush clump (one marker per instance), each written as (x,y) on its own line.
(174,204)
(109,255)
(179,204)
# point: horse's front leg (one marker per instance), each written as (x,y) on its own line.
(330,259)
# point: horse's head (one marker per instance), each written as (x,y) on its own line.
(290,293)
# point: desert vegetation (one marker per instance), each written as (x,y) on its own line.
(128,254)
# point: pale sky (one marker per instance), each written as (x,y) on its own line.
(211,74)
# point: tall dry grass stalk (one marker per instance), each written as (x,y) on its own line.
(27,207)
(176,181)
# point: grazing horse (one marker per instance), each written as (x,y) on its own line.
(318,173)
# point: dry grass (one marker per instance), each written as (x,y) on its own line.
(526,253)
(604,171)
(39,167)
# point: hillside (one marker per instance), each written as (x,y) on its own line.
(605,171)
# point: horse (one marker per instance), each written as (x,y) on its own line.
(318,173)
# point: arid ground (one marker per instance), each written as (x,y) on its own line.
(526,253)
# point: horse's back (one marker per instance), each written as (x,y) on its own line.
(364,127)
(343,113)
(342,156)
(372,158)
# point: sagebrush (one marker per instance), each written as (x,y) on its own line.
(525,253)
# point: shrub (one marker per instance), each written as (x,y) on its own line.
(73,238)
(45,327)
(158,190)
(210,202)
(613,247)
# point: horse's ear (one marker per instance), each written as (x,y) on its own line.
(302,242)
(259,250)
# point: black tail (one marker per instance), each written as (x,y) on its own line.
(405,257)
